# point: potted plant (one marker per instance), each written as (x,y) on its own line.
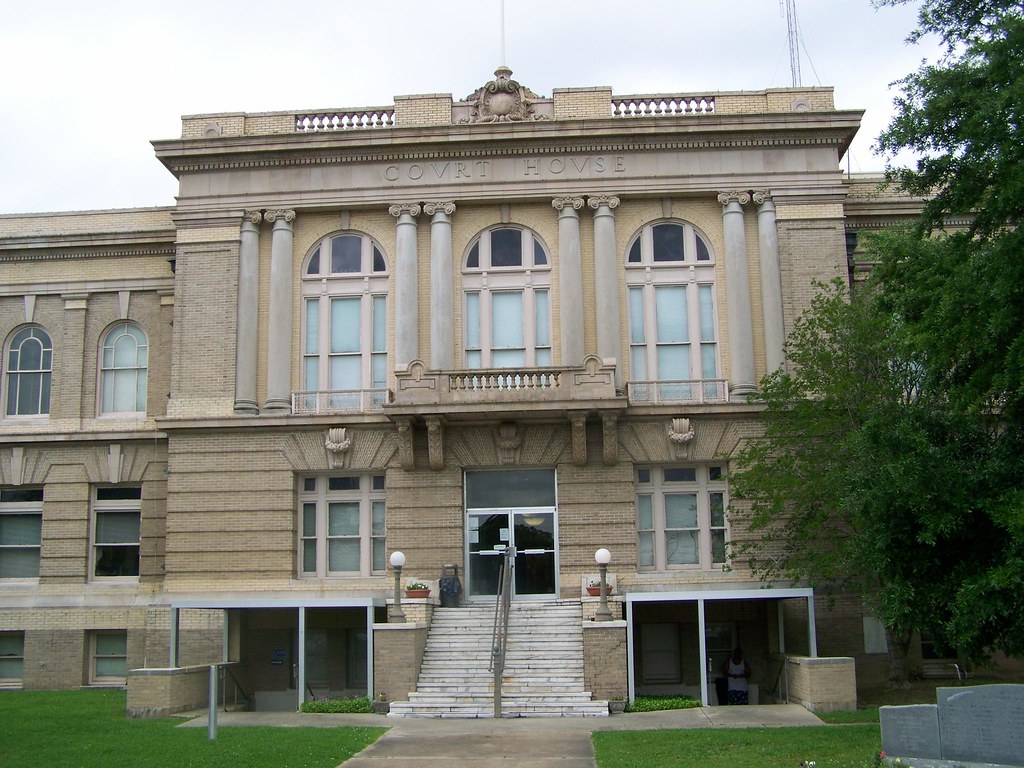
(616,705)
(380,705)
(594,588)
(417,589)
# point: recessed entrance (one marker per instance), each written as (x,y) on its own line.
(512,508)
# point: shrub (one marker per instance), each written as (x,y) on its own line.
(358,705)
(657,703)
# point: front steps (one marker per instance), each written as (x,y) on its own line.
(543,665)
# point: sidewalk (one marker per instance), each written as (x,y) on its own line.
(544,742)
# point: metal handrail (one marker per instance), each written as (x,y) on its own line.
(499,638)
(225,673)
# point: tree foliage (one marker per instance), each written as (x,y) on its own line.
(893,458)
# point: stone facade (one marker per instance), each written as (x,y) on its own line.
(543,358)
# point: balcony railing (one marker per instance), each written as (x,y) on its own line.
(661,105)
(678,392)
(339,401)
(594,380)
(351,120)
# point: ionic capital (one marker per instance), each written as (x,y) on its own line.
(734,196)
(596,201)
(570,203)
(255,217)
(398,209)
(286,216)
(762,196)
(439,207)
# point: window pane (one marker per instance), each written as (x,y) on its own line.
(707,313)
(19,563)
(20,529)
(312,326)
(717,501)
(508,358)
(681,547)
(634,252)
(343,555)
(343,483)
(309,556)
(379,551)
(506,248)
(311,373)
(473,259)
(473,321)
(21,494)
(674,362)
(715,473)
(707,361)
(378,518)
(645,549)
(644,513)
(343,518)
(636,315)
(126,351)
(111,667)
(643,476)
(11,669)
(507,319)
(346,254)
(718,546)
(540,257)
(680,475)
(111,645)
(703,254)
(680,510)
(117,560)
(510,488)
(668,242)
(346,372)
(345,325)
(309,519)
(314,264)
(377,483)
(670,305)
(117,528)
(379,366)
(543,325)
(379,265)
(118,492)
(379,324)
(12,645)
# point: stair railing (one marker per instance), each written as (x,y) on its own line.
(499,638)
(226,675)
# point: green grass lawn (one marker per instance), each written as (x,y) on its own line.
(838,746)
(84,729)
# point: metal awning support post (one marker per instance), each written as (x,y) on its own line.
(630,651)
(369,652)
(704,701)
(211,728)
(175,613)
(300,683)
(812,630)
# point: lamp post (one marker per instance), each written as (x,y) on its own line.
(396,614)
(603,557)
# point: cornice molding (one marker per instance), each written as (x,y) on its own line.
(56,253)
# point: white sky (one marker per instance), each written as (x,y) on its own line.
(87,85)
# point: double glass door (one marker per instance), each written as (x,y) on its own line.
(531,530)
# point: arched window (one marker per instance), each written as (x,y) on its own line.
(124,367)
(29,366)
(506,280)
(344,353)
(673,349)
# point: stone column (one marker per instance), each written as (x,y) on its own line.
(606,283)
(442,281)
(737,293)
(570,272)
(407,303)
(279,336)
(247,312)
(771,282)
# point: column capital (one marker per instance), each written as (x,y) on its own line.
(567,204)
(254,217)
(734,196)
(597,201)
(286,216)
(400,209)
(762,196)
(439,207)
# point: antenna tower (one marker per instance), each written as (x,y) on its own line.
(794,42)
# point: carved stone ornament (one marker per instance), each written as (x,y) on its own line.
(431,208)
(734,196)
(680,432)
(762,196)
(508,442)
(567,203)
(337,444)
(435,441)
(611,439)
(578,424)
(255,217)
(502,100)
(286,216)
(405,449)
(398,209)
(610,201)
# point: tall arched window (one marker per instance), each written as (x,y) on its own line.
(507,279)
(124,367)
(29,366)
(673,349)
(344,354)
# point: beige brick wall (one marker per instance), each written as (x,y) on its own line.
(164,692)
(397,657)
(423,109)
(822,684)
(604,659)
(582,103)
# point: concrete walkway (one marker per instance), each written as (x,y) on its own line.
(556,742)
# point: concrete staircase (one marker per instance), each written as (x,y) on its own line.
(543,665)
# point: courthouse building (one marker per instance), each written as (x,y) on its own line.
(442,328)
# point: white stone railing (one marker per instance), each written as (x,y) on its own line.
(416,385)
(339,401)
(676,392)
(658,105)
(347,120)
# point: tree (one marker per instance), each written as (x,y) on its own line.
(892,462)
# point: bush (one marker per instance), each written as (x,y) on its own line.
(359,705)
(658,703)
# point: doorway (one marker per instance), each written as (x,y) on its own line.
(512,508)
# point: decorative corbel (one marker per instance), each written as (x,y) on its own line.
(681,435)
(115,463)
(610,437)
(579,439)
(337,444)
(435,441)
(508,442)
(405,450)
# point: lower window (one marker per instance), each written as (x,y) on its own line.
(21,524)
(116,514)
(680,515)
(341,525)
(108,654)
(12,658)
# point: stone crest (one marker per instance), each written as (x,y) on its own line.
(502,100)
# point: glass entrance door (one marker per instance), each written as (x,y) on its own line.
(491,529)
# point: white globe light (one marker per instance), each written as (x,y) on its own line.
(603,556)
(397,559)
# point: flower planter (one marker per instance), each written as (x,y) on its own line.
(616,706)
(417,593)
(596,591)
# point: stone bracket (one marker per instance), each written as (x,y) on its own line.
(435,441)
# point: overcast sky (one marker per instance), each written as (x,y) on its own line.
(86,86)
